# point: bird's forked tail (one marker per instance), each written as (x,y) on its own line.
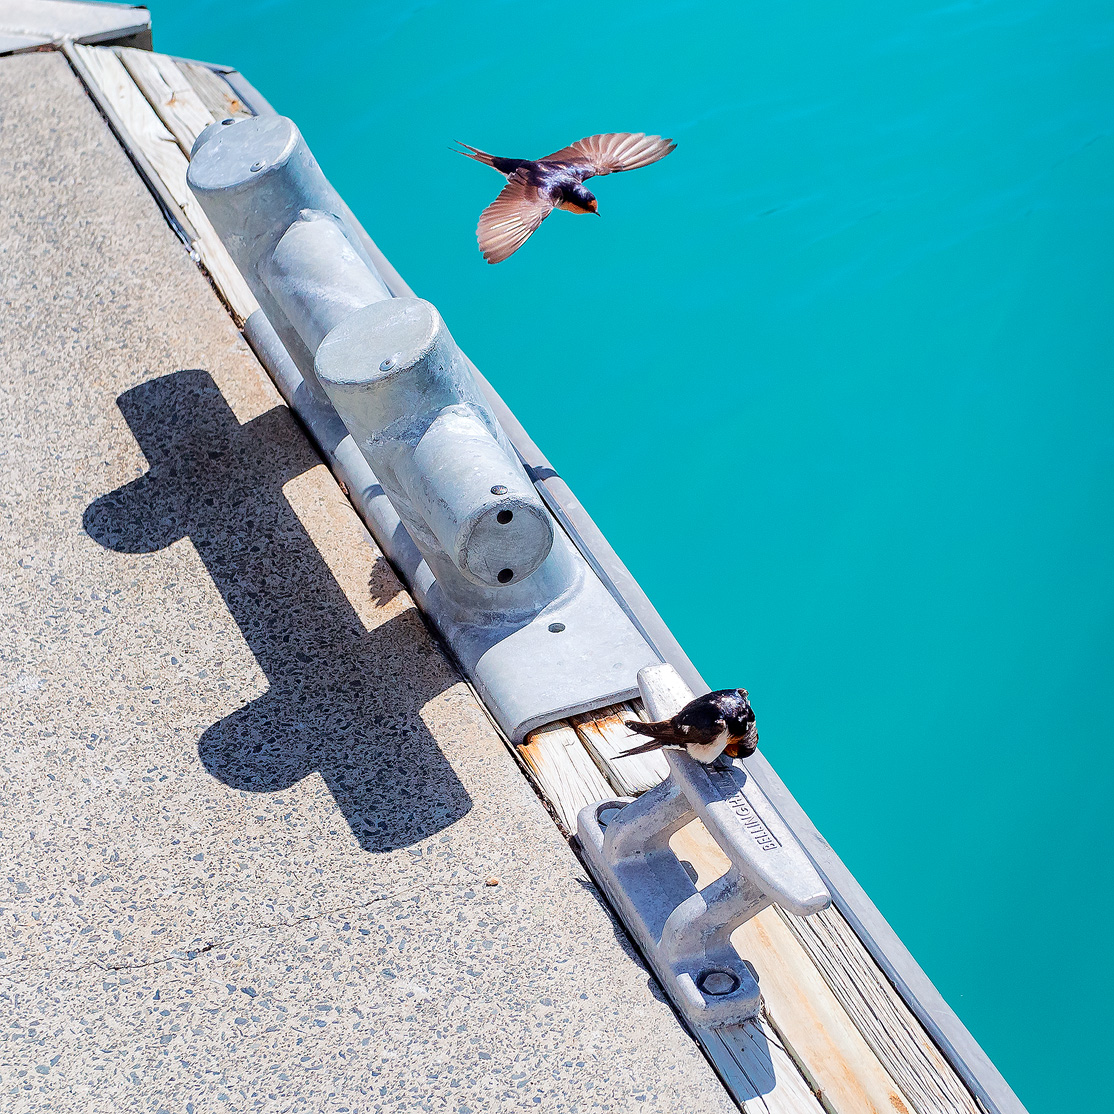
(475,153)
(660,732)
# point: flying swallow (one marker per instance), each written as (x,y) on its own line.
(536,187)
(717,723)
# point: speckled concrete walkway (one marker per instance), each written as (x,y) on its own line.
(248,809)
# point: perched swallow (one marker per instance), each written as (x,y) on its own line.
(535,188)
(717,723)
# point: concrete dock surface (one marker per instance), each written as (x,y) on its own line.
(263,850)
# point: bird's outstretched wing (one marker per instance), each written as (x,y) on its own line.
(608,154)
(512,218)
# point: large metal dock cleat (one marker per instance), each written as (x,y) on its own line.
(531,624)
(685,933)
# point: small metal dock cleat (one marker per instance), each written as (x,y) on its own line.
(685,933)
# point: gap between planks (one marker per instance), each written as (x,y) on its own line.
(834,1035)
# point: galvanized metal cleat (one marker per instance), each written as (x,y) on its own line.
(684,932)
(530,622)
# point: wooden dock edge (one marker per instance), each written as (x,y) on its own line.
(834,1034)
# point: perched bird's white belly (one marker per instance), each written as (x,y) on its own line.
(709,752)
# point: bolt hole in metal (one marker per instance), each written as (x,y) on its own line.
(716,983)
(556,628)
(224,123)
(503,517)
(505,576)
(387,364)
(257,166)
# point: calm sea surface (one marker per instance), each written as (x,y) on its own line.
(835,379)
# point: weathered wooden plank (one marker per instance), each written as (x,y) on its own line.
(170,208)
(564,771)
(758,1070)
(216,94)
(816,1031)
(825,1043)
(605,738)
(148,133)
(885,1021)
(169,92)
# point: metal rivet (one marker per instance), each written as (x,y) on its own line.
(227,121)
(257,166)
(556,628)
(716,983)
(387,364)
(499,489)
(505,576)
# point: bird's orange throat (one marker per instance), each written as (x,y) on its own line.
(573,207)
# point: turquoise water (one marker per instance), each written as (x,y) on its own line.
(835,380)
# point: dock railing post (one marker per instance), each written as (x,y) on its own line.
(684,932)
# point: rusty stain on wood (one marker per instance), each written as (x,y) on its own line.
(605,736)
(169,92)
(216,94)
(563,771)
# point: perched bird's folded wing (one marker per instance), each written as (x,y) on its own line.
(608,154)
(679,731)
(699,722)
(512,218)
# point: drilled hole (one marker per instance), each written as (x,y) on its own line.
(556,628)
(506,576)
(504,517)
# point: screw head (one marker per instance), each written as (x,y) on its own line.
(716,983)
(257,166)
(387,364)
(556,628)
(499,489)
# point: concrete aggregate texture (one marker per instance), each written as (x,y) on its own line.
(248,808)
